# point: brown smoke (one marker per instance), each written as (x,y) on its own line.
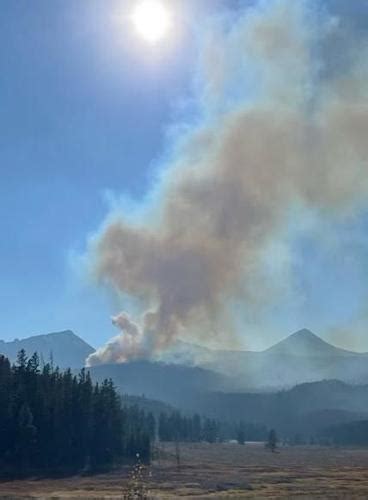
(227,194)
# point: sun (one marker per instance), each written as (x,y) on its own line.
(152,20)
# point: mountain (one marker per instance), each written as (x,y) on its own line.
(66,349)
(305,343)
(301,357)
(191,369)
(233,385)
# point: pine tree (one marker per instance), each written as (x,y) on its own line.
(272,440)
(210,430)
(26,434)
(240,435)
(54,421)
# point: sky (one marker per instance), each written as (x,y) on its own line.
(74,143)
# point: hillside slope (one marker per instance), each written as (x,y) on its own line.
(173,384)
(305,409)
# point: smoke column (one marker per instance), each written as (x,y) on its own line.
(279,127)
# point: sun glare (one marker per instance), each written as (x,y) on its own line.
(152,20)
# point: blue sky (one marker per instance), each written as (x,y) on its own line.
(71,75)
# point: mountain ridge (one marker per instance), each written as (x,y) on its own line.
(304,337)
(66,349)
(301,357)
(305,342)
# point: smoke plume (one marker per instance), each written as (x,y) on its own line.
(280,127)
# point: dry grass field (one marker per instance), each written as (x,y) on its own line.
(220,471)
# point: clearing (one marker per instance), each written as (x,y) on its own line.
(211,471)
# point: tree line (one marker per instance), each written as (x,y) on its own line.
(52,421)
(177,427)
